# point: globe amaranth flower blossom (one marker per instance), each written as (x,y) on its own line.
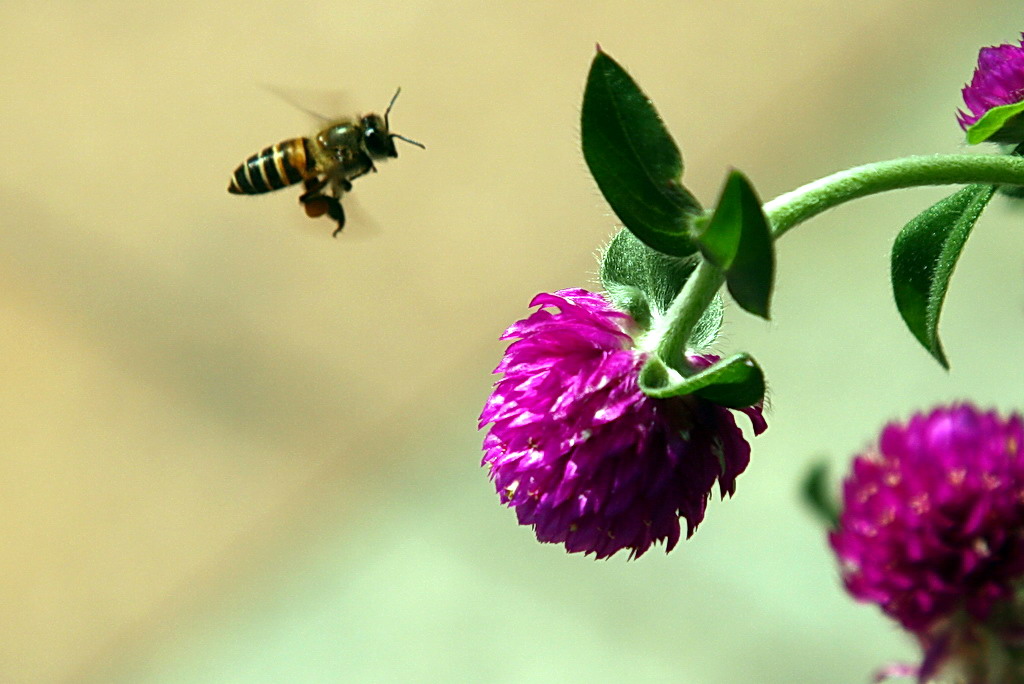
(998,80)
(582,454)
(932,530)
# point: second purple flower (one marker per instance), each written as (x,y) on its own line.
(998,81)
(932,530)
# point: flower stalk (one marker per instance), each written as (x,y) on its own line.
(792,208)
(675,328)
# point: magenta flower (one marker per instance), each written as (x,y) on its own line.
(932,530)
(582,454)
(998,80)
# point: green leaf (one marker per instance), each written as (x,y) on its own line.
(738,240)
(923,258)
(999,124)
(816,491)
(634,160)
(735,382)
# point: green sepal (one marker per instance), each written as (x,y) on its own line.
(817,493)
(738,240)
(735,382)
(634,160)
(923,258)
(1004,124)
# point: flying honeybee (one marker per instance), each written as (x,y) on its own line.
(326,163)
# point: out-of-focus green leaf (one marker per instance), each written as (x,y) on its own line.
(816,492)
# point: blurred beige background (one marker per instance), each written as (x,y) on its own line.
(236,450)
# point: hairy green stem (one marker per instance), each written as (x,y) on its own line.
(686,310)
(788,210)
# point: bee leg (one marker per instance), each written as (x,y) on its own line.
(317,203)
(339,186)
(365,171)
(335,211)
(313,187)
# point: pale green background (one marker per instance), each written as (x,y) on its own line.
(235,450)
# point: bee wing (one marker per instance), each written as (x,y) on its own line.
(318,104)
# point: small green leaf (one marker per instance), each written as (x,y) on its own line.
(634,160)
(923,258)
(644,283)
(706,331)
(999,124)
(817,493)
(735,382)
(639,280)
(738,240)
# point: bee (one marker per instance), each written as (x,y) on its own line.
(326,163)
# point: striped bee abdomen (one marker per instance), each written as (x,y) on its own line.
(276,167)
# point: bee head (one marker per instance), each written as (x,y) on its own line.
(379,141)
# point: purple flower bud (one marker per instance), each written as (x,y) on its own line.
(582,454)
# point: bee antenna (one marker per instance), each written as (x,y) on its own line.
(390,105)
(409,140)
